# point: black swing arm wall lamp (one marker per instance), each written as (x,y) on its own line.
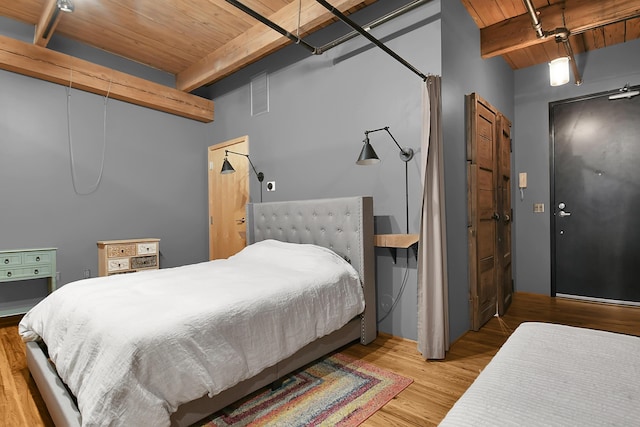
(227,168)
(368,156)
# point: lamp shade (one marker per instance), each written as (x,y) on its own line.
(559,71)
(226,167)
(368,155)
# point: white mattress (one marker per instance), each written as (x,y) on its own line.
(134,347)
(555,375)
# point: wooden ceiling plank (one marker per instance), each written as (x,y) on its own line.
(471,9)
(598,38)
(632,31)
(256,43)
(614,33)
(580,15)
(519,58)
(35,61)
(48,13)
(512,7)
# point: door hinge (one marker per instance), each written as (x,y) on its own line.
(210,220)
(210,166)
(510,145)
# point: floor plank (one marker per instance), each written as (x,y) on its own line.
(437,384)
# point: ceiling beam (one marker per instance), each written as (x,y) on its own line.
(257,42)
(48,21)
(56,67)
(579,16)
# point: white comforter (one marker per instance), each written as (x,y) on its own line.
(555,375)
(132,348)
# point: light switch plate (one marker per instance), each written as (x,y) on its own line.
(538,207)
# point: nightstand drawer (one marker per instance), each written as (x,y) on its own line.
(118,264)
(20,272)
(114,251)
(10,259)
(147,248)
(144,261)
(37,258)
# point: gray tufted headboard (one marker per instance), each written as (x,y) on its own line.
(342,224)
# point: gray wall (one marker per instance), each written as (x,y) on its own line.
(153,185)
(464,72)
(319,109)
(602,70)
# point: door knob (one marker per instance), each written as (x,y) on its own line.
(241,221)
(496,216)
(563,214)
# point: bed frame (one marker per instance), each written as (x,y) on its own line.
(342,224)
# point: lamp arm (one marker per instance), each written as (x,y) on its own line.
(394,140)
(260,175)
(405,153)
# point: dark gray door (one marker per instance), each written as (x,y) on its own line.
(595,196)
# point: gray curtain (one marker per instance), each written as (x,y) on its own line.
(433,314)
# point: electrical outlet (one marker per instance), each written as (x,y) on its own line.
(57,276)
(271,186)
(538,207)
(87,273)
(386,302)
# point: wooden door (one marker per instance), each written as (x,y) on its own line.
(482,167)
(228,197)
(505,278)
(489,229)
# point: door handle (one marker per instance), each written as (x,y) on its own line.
(507,218)
(563,214)
(496,216)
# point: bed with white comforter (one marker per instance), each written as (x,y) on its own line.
(134,347)
(555,375)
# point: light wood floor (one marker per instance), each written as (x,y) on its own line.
(437,384)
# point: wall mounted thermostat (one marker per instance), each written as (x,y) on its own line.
(522,180)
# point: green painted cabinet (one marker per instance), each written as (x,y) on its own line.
(26,264)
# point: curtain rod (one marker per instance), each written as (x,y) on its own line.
(357,29)
(372,39)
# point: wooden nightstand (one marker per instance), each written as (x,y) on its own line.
(127,256)
(27,264)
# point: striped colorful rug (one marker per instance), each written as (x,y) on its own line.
(334,391)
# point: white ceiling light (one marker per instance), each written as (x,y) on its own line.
(65,5)
(559,71)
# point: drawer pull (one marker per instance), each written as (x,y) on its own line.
(8,274)
(6,260)
(37,258)
(35,271)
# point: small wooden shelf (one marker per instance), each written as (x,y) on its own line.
(396,241)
